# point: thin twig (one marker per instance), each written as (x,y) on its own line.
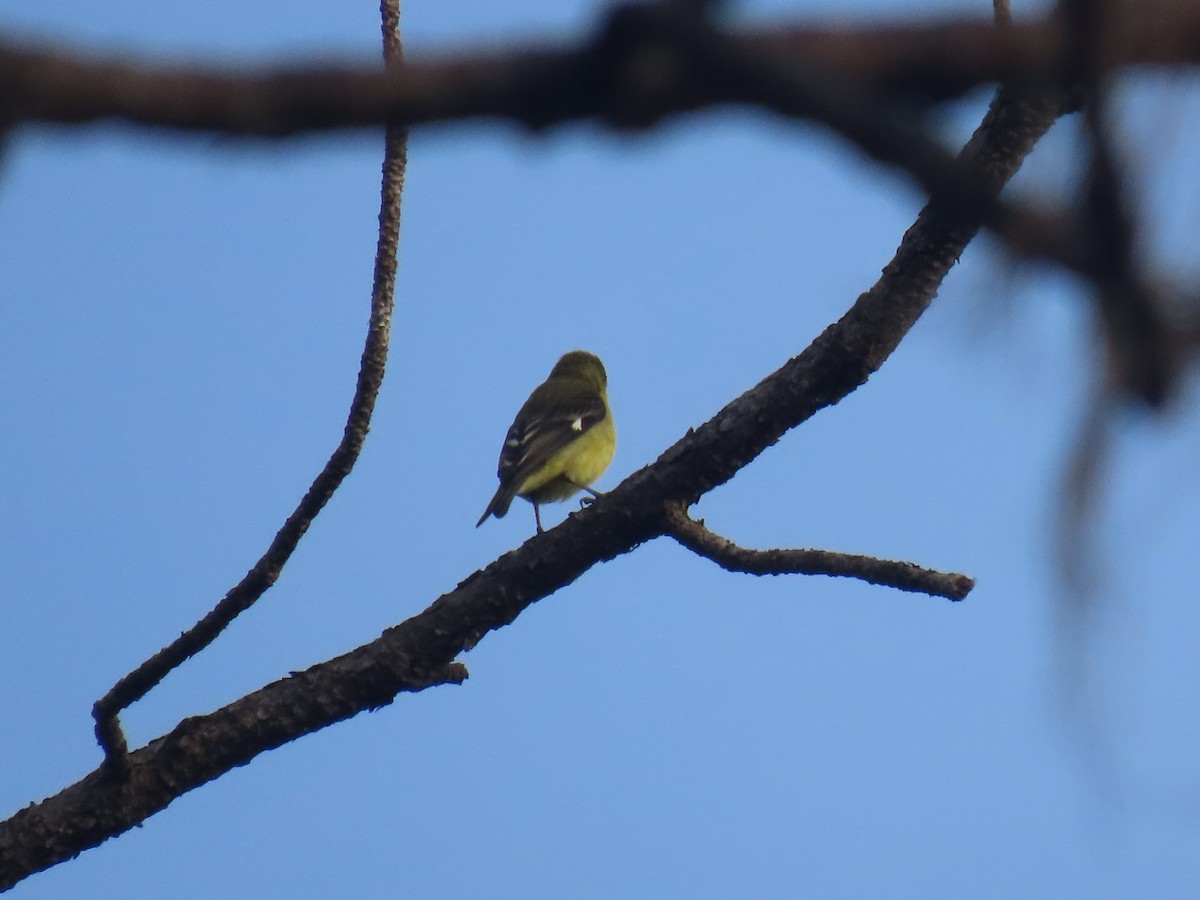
(1082,486)
(725,553)
(266,571)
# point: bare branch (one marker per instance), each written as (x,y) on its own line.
(729,556)
(647,62)
(885,128)
(266,571)
(540,85)
(1142,357)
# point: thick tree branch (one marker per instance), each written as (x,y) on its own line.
(647,62)
(540,85)
(889,131)
(725,553)
(266,571)
(421,651)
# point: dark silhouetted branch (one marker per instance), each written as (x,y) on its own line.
(1142,359)
(725,553)
(266,571)
(540,85)
(647,62)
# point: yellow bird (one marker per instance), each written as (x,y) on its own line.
(561,440)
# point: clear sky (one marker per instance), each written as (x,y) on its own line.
(179,332)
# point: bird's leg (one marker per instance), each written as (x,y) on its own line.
(583,501)
(537,517)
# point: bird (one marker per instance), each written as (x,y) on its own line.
(561,441)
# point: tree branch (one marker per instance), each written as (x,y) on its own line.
(541,85)
(647,62)
(266,571)
(889,130)
(725,553)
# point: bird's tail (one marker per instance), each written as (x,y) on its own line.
(500,503)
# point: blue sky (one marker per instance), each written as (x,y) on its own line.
(178,342)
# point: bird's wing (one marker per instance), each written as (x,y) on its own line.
(533,439)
